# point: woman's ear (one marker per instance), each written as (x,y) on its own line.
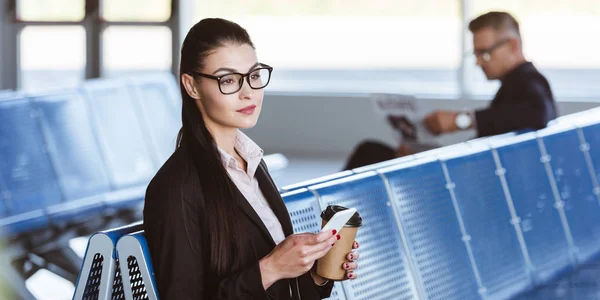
(190,86)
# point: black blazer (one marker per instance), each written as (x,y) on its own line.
(524,101)
(182,273)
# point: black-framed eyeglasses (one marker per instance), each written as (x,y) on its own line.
(231,83)
(486,54)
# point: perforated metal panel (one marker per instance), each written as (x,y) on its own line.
(117,288)
(72,146)
(486,215)
(92,286)
(118,128)
(161,119)
(138,288)
(25,168)
(383,269)
(576,190)
(535,206)
(305,210)
(592,137)
(433,232)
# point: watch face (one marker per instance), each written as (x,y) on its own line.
(463,121)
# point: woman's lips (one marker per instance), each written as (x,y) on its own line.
(248,110)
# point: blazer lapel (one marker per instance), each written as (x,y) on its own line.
(245,206)
(267,186)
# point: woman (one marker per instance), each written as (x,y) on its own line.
(215,223)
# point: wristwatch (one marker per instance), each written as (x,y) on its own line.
(463,121)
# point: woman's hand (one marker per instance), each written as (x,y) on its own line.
(351,263)
(295,256)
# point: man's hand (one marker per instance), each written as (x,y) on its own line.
(441,121)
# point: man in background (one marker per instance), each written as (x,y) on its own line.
(524,100)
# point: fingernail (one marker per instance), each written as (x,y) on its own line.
(346,266)
(351,256)
(350,275)
(332,245)
(338,237)
(334,231)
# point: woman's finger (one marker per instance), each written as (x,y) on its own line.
(355,245)
(352,256)
(351,275)
(349,266)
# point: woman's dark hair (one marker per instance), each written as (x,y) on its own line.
(220,213)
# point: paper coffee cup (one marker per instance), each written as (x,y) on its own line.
(330,266)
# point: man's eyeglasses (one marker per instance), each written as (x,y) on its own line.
(486,54)
(231,83)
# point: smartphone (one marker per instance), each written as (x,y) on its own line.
(338,220)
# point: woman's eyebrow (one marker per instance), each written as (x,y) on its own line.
(230,70)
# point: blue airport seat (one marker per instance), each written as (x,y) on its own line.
(136,266)
(305,213)
(100,275)
(499,256)
(326,178)
(27,178)
(158,103)
(383,164)
(536,208)
(75,155)
(428,216)
(123,143)
(590,130)
(384,271)
(572,176)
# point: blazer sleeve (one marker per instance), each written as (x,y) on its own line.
(311,291)
(180,269)
(534,111)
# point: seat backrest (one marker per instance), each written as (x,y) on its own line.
(383,164)
(433,232)
(563,147)
(158,105)
(123,143)
(26,172)
(136,263)
(536,206)
(72,145)
(100,275)
(304,209)
(384,270)
(499,254)
(590,130)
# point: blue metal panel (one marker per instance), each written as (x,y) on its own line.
(383,272)
(576,190)
(72,146)
(486,215)
(157,99)
(592,137)
(120,136)
(25,168)
(433,232)
(305,210)
(535,206)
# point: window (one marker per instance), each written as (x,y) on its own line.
(559,37)
(51,56)
(136,10)
(50,10)
(407,46)
(133,49)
